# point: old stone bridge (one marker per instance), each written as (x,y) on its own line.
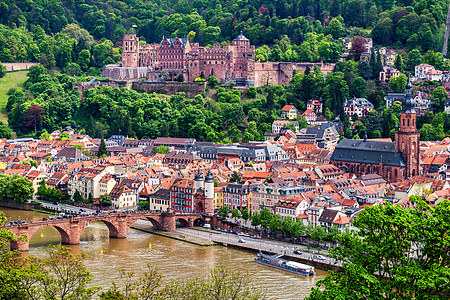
(118,224)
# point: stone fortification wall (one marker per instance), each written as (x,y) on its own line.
(190,88)
(274,73)
(19,66)
(116,72)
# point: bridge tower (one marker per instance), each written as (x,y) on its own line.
(209,193)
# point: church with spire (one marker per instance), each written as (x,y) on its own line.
(394,161)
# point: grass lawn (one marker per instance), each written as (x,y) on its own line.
(11,79)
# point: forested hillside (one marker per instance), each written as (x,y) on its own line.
(79,37)
(406,23)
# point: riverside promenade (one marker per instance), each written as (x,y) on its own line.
(201,236)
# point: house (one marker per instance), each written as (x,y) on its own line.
(160,200)
(315,105)
(387,56)
(323,138)
(433,75)
(387,73)
(289,112)
(309,115)
(36,178)
(333,217)
(423,103)
(291,207)
(421,70)
(218,197)
(70,155)
(447,106)
(237,195)
(358,106)
(123,198)
(278,124)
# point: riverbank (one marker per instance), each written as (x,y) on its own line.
(142,226)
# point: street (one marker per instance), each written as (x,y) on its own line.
(276,247)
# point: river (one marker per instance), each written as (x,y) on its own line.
(173,258)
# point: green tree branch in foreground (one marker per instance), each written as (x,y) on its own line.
(397,253)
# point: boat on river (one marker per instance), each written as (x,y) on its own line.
(283,264)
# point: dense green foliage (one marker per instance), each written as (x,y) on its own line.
(15,188)
(300,30)
(397,253)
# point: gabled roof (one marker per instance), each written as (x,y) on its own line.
(372,152)
(288,108)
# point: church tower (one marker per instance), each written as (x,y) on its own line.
(407,138)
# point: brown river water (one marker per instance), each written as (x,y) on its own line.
(105,257)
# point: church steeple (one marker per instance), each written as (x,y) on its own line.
(407,138)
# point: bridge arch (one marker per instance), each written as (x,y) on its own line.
(199,222)
(182,221)
(112,228)
(156,223)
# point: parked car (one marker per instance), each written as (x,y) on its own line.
(207,226)
(298,252)
(319,257)
(241,241)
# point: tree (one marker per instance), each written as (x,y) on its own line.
(398,83)
(5,132)
(61,276)
(105,200)
(398,63)
(438,98)
(335,28)
(224,211)
(256,220)
(414,59)
(396,253)
(236,177)
(274,223)
(102,151)
(235,213)
(213,81)
(245,214)
(2,70)
(220,284)
(162,149)
(265,216)
(77,197)
(286,225)
(15,188)
(33,116)
(45,135)
(358,47)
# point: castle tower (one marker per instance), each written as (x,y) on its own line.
(130,53)
(209,193)
(407,138)
(198,181)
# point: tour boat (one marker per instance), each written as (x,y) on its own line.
(284,264)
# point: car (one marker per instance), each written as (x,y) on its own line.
(241,241)
(298,252)
(320,257)
(207,226)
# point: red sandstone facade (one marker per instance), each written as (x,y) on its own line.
(177,56)
(173,57)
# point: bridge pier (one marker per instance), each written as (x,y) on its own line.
(121,228)
(168,222)
(19,246)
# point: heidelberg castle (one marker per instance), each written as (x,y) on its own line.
(177,56)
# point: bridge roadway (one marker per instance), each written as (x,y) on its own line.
(118,223)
